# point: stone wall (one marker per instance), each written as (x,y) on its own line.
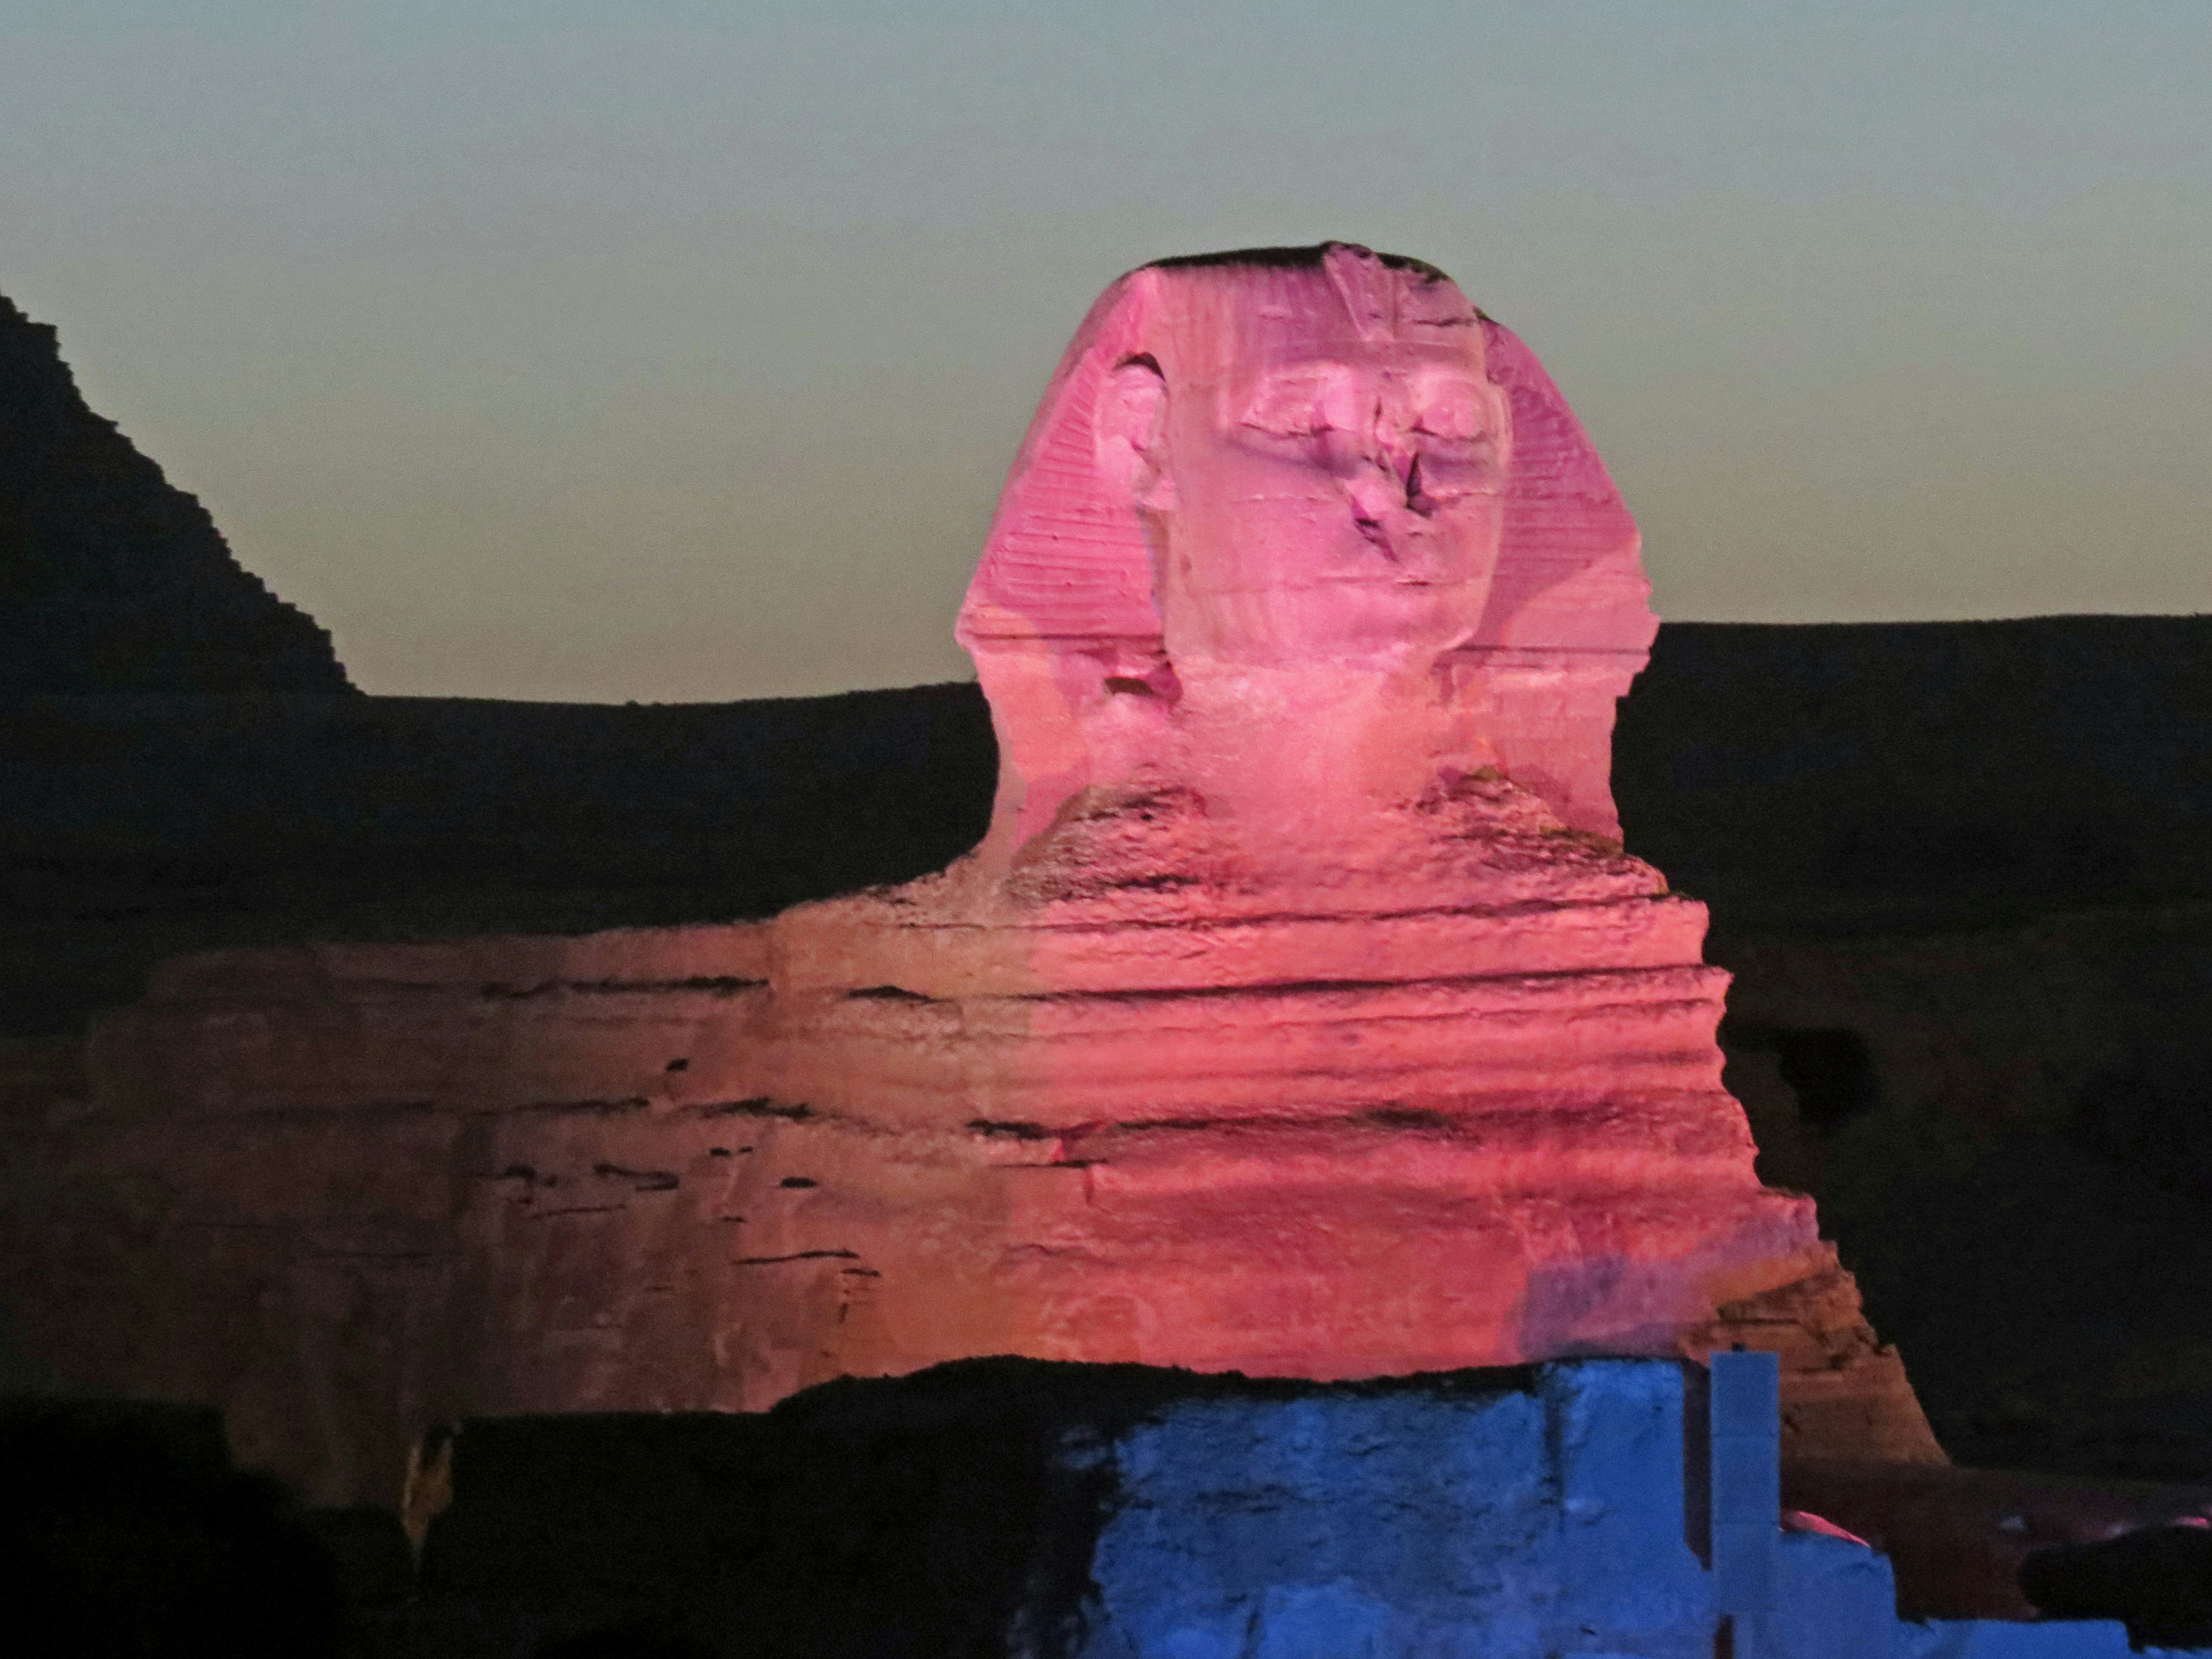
(1003,1506)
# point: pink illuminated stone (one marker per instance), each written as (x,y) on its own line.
(1303,1036)
(1799,1520)
(1299,1015)
(1267,486)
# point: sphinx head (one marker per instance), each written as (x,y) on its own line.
(1282,467)
(1307,442)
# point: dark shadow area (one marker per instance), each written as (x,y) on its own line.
(2053,1307)
(137,829)
(128,1533)
(1830,1073)
(2159,1580)
(1958,872)
(2158,1125)
(1958,1538)
(1855,777)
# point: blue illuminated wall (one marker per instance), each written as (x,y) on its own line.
(1570,1517)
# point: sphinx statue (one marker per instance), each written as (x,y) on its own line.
(1299,1015)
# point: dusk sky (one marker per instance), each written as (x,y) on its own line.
(676,351)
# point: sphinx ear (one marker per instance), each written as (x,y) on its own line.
(1129,428)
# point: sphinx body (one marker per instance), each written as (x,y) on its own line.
(1299,1015)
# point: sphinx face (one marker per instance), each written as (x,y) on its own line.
(1331,492)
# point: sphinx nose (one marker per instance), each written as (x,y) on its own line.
(1388,479)
(1403,462)
(1376,488)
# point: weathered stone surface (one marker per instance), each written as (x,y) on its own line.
(1297,1015)
(110,578)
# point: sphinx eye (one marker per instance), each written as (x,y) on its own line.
(1290,408)
(1458,413)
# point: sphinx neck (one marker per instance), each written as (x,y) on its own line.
(1305,756)
(1312,755)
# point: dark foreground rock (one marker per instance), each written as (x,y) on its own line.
(127,1533)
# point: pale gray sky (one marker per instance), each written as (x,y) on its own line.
(676,350)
